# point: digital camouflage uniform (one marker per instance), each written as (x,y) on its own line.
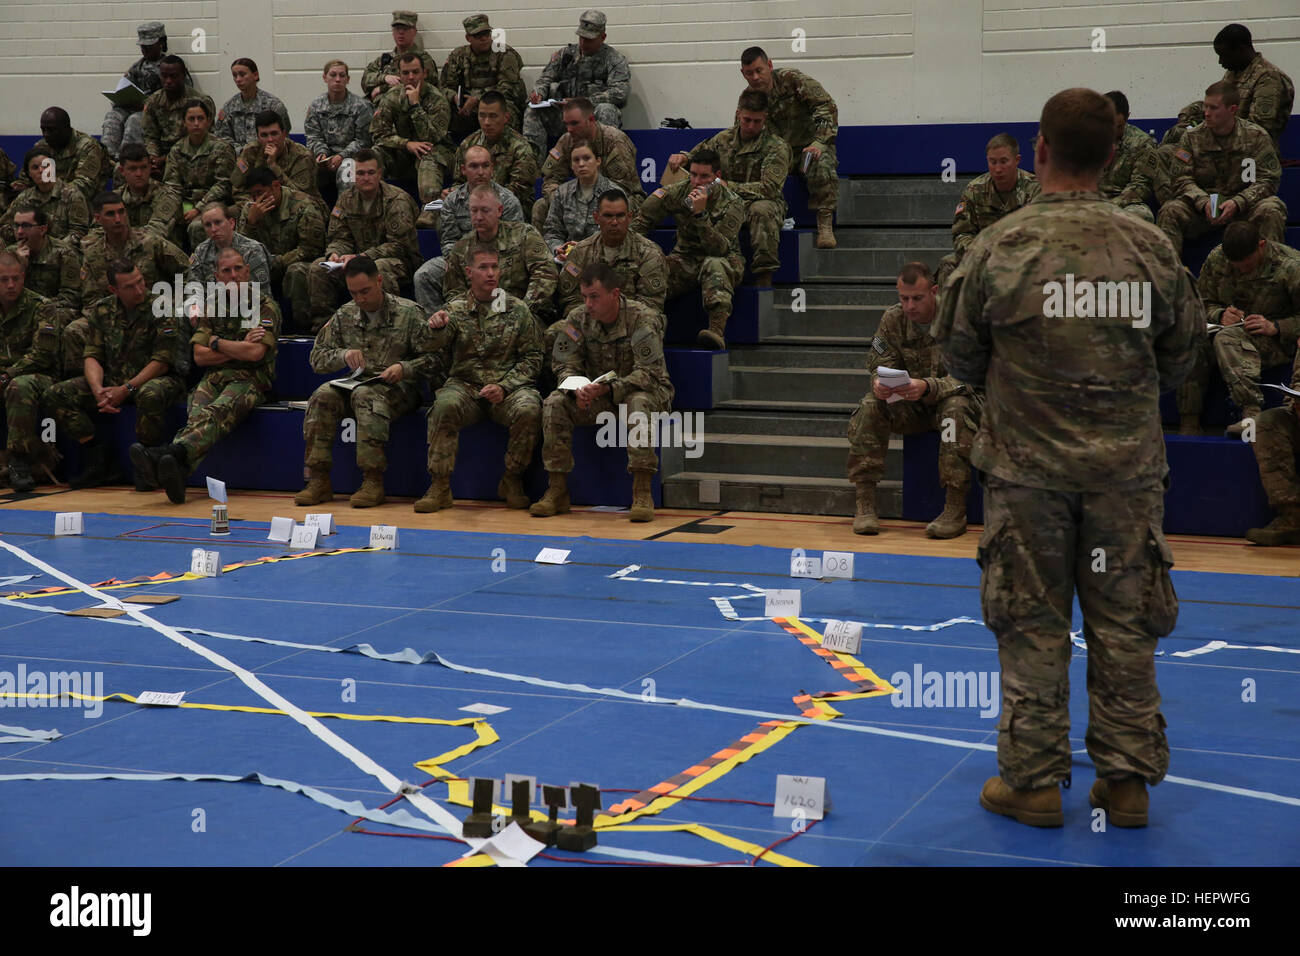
(296,168)
(527,267)
(948,406)
(755,171)
(980,206)
(376,69)
(83,163)
(802,113)
(1073,462)
(398,122)
(29,336)
(123,342)
(68,214)
(639,262)
(293,235)
(514,164)
(454,222)
(122,123)
(55,273)
(163,120)
(338,129)
(1127,180)
(228,393)
(236,121)
(1204,163)
(487,345)
(473,74)
(1277,442)
(400,334)
(203,264)
(604,77)
(382,227)
(571,217)
(617,158)
(197,175)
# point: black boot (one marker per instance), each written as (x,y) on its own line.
(20,474)
(98,469)
(144,464)
(173,469)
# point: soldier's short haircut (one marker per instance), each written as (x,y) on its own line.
(484,189)
(268,118)
(493,98)
(1119,101)
(1078,126)
(59,115)
(1227,91)
(119,267)
(487,152)
(133,153)
(207,207)
(612,195)
(707,157)
(1002,141)
(10,260)
(603,273)
(367,155)
(330,64)
(913,272)
(582,142)
(105,199)
(580,103)
(246,62)
(753,53)
(410,55)
(1233,36)
(195,103)
(260,176)
(360,266)
(1240,239)
(171,59)
(39,216)
(477,249)
(33,153)
(227,252)
(753,101)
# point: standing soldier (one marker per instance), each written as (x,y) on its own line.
(1074,463)
(1265,93)
(292,163)
(385,339)
(590,69)
(163,115)
(481,67)
(1277,443)
(338,124)
(78,158)
(639,262)
(52,266)
(410,131)
(707,255)
(198,170)
(62,202)
(122,123)
(1126,180)
(616,152)
(236,120)
(802,113)
(513,163)
(289,225)
(380,74)
(495,351)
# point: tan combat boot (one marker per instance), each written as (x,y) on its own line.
(643,504)
(952,523)
(371,492)
(1124,800)
(1284,529)
(712,337)
(556,499)
(865,520)
(1040,807)
(511,488)
(317,490)
(825,234)
(1189,424)
(437,497)
(1251,413)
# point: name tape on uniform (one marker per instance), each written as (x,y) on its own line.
(67,522)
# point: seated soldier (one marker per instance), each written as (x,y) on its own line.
(68,215)
(149,204)
(495,355)
(454,221)
(572,217)
(611,334)
(198,170)
(236,120)
(219,224)
(1224,169)
(707,255)
(385,337)
(410,131)
(78,158)
(338,124)
(1277,442)
(52,266)
(162,118)
(374,219)
(514,164)
(31,364)
(590,69)
(616,152)
(122,123)
(128,358)
(478,68)
(639,262)
(931,400)
(380,74)
(7,173)
(289,225)
(115,238)
(989,197)
(1126,179)
(527,269)
(237,354)
(292,164)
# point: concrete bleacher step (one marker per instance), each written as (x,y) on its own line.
(777,494)
(794,408)
(914,200)
(829,314)
(803,384)
(870,255)
(798,356)
(801,456)
(743,421)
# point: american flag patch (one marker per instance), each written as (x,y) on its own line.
(243,166)
(878,345)
(572,332)
(1184,155)
(961,206)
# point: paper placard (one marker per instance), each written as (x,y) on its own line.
(782,603)
(806,794)
(843,637)
(837,564)
(205,563)
(487,710)
(322,522)
(802,566)
(67,522)
(281,530)
(508,790)
(383,536)
(511,847)
(303,537)
(217,490)
(551,556)
(157,698)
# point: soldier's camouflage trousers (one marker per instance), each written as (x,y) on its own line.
(375,408)
(765,218)
(23,403)
(715,276)
(457,405)
(1179,220)
(1277,442)
(822,179)
(956,419)
(216,407)
(72,404)
(560,414)
(429,171)
(121,126)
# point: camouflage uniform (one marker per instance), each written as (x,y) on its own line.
(397,123)
(1204,163)
(453,223)
(155,257)
(639,262)
(617,158)
(514,165)
(1277,443)
(1267,95)
(571,217)
(527,267)
(1127,180)
(122,123)
(227,393)
(163,120)
(55,273)
(603,77)
(487,346)
(707,254)
(400,334)
(197,175)
(156,210)
(1073,460)
(376,69)
(29,336)
(203,264)
(338,128)
(296,168)
(123,342)
(473,74)
(236,122)
(903,344)
(293,235)
(64,206)
(630,347)
(756,172)
(7,173)
(382,228)
(83,163)
(802,113)
(980,206)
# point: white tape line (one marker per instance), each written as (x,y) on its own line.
(25,736)
(1225,646)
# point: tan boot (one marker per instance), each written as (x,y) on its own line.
(1124,800)
(1284,529)
(865,520)
(428,219)
(1040,807)
(371,492)
(318,489)
(556,499)
(1249,413)
(952,523)
(713,336)
(643,504)
(511,488)
(825,234)
(1189,424)
(437,497)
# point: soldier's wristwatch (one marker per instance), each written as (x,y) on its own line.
(130,389)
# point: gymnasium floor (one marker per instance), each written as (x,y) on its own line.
(667,673)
